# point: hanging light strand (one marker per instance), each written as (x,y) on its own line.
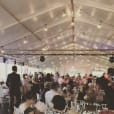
(73,19)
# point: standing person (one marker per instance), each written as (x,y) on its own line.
(35,88)
(14,84)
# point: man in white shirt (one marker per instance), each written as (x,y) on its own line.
(51,93)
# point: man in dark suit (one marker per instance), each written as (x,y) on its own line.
(14,84)
(104,82)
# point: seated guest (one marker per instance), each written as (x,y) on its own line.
(51,93)
(59,102)
(68,94)
(30,111)
(27,106)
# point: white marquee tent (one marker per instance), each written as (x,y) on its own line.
(73,35)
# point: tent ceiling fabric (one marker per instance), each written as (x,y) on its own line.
(47,25)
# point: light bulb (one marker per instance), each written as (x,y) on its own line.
(72,24)
(25,41)
(99,26)
(2,51)
(64,14)
(45,28)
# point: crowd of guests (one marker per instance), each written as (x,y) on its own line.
(35,93)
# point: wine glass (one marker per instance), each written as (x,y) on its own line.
(104,106)
(99,108)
